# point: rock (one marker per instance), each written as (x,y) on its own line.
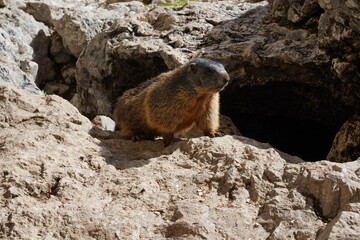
(55,88)
(41,11)
(46,72)
(249,46)
(3,3)
(104,123)
(339,23)
(336,23)
(303,10)
(320,89)
(300,47)
(78,27)
(143,46)
(29,67)
(346,145)
(76,34)
(343,225)
(227,127)
(92,96)
(164,21)
(68,74)
(228,187)
(116,1)
(89,183)
(78,22)
(295,10)
(22,58)
(58,51)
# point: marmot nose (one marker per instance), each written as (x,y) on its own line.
(225,75)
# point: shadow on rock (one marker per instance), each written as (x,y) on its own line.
(46,67)
(124,154)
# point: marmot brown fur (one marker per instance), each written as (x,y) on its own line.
(173,102)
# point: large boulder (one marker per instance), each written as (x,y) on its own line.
(64,178)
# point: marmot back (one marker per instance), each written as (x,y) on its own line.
(173,102)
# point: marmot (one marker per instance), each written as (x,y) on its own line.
(173,102)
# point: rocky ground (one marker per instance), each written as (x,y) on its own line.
(294,63)
(64,178)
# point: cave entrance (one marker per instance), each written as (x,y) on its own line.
(294,118)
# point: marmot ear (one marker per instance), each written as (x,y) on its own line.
(192,67)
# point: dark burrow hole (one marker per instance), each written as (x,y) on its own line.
(132,72)
(294,118)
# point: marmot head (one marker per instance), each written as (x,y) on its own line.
(207,75)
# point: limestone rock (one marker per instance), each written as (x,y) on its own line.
(303,10)
(283,71)
(78,22)
(343,226)
(322,88)
(22,58)
(295,10)
(104,122)
(346,145)
(76,34)
(3,3)
(250,42)
(41,11)
(68,74)
(64,178)
(227,127)
(229,187)
(78,27)
(46,71)
(138,48)
(58,51)
(55,88)
(339,23)
(116,1)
